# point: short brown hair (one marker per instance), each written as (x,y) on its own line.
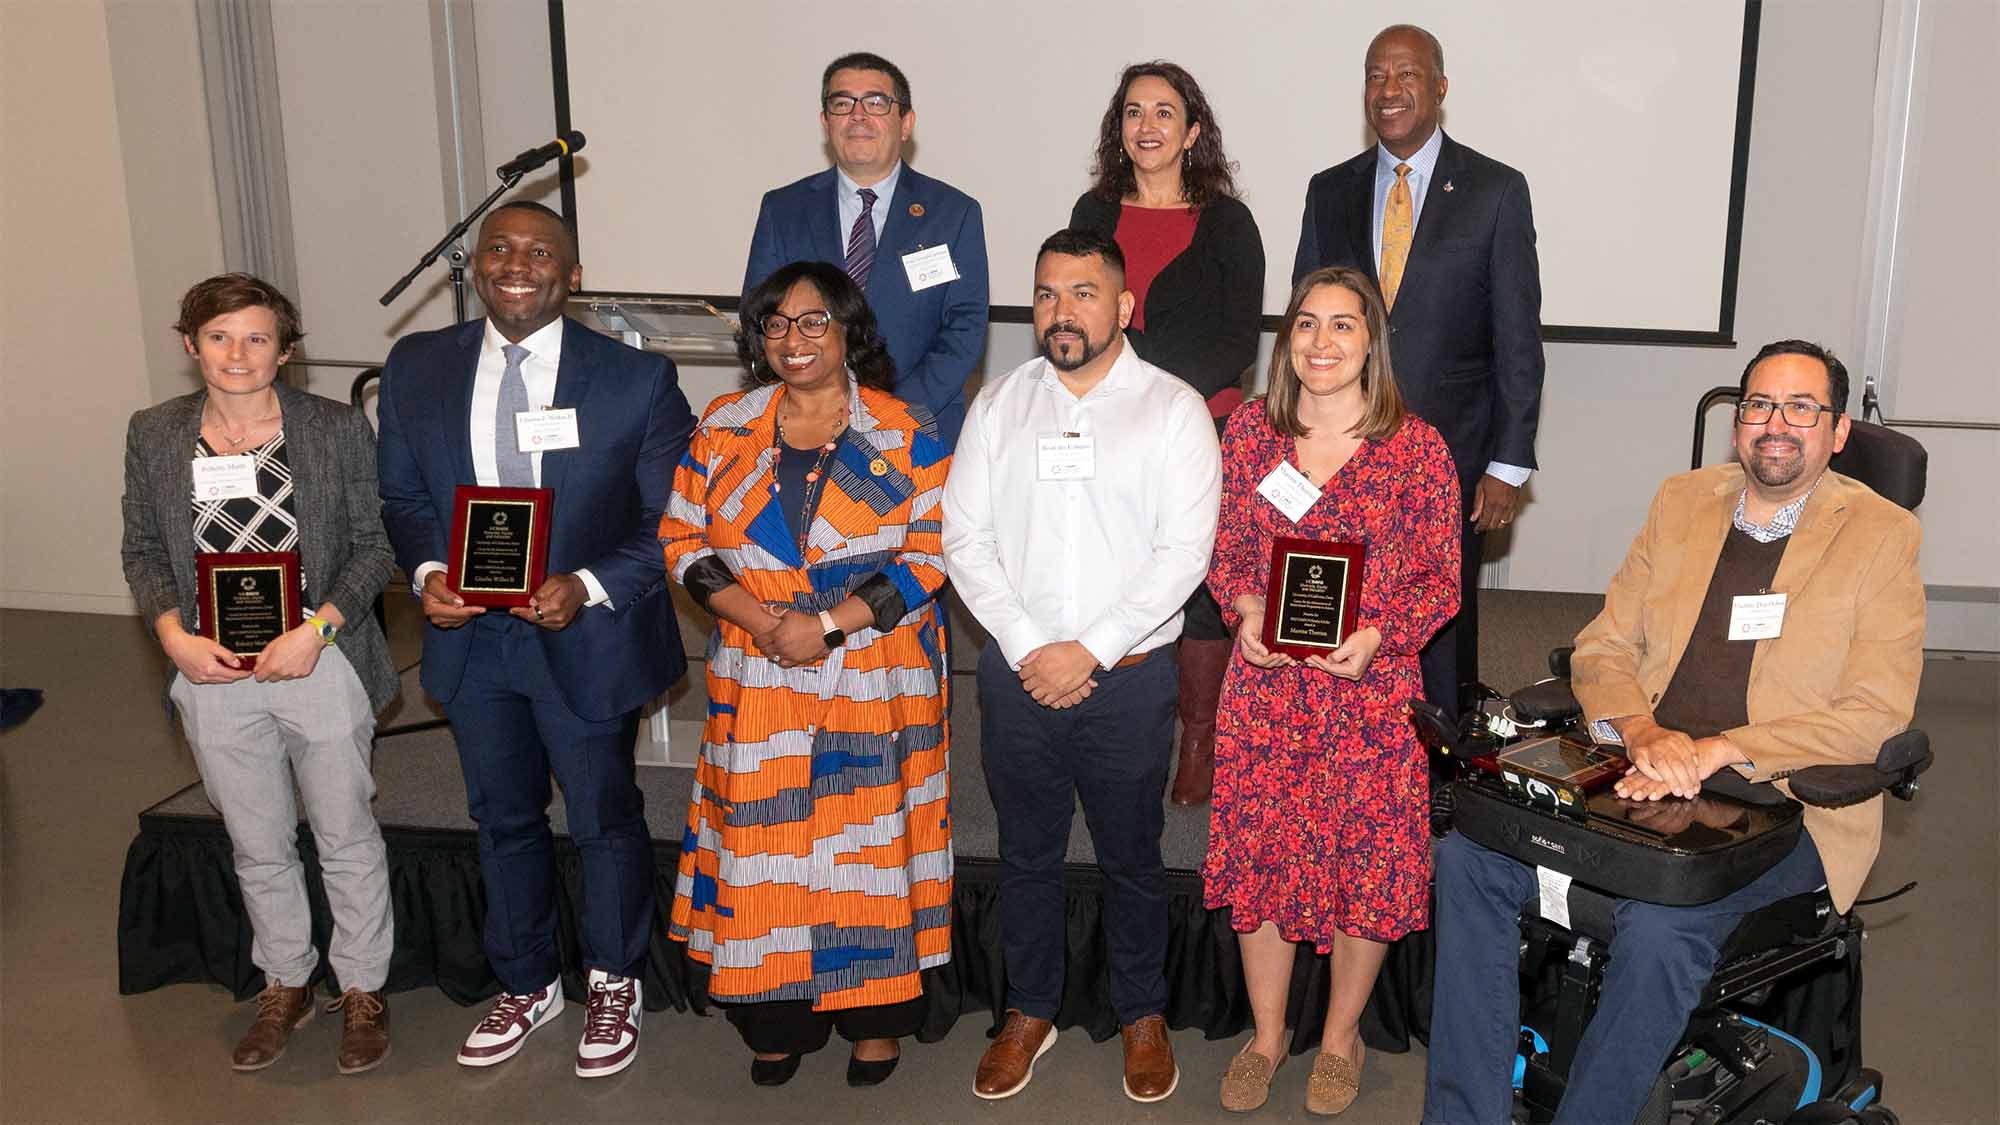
(1383,409)
(234,292)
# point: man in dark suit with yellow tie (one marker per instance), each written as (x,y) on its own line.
(1450,239)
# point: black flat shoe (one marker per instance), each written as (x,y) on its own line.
(775,1072)
(870,1072)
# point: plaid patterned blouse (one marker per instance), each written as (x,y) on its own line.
(267,521)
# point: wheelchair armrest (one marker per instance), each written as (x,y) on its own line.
(1434,729)
(1895,768)
(1546,701)
(1559,661)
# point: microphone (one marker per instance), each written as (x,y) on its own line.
(534,158)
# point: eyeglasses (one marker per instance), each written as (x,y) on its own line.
(812,325)
(1798,412)
(876,105)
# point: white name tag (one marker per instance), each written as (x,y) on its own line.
(1289,490)
(541,431)
(225,478)
(1069,457)
(930,266)
(1756,617)
(1555,895)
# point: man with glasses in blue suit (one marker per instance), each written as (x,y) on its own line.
(915,245)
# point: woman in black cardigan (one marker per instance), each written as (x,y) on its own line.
(1195,262)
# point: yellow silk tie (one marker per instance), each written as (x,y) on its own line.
(1398,224)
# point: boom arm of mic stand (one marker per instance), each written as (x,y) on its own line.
(451,236)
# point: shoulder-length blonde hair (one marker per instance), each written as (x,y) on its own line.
(1383,410)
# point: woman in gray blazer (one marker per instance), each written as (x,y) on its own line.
(292,475)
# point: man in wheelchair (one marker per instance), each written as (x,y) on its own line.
(1768,617)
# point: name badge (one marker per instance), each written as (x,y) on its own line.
(225,478)
(1289,490)
(542,431)
(1756,617)
(930,266)
(1069,457)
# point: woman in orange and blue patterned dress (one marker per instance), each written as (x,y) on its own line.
(816,870)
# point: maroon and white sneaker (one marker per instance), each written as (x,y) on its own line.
(611,1029)
(508,1025)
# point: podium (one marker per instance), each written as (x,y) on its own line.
(681,328)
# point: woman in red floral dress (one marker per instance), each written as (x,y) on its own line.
(1320,825)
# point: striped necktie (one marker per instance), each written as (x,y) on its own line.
(861,240)
(1398,224)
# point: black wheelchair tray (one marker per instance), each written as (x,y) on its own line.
(1650,851)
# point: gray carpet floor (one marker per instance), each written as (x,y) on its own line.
(72,1050)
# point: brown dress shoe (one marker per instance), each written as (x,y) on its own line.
(1150,1073)
(364,1034)
(280,1011)
(1008,1064)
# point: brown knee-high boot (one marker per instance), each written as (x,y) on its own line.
(1202,664)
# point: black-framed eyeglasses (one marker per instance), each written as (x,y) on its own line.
(1799,413)
(812,324)
(875,105)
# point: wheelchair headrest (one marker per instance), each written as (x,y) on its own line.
(1893,464)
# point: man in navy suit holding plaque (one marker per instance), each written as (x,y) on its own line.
(916,246)
(527,398)
(1449,238)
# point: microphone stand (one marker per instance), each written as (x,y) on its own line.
(457,259)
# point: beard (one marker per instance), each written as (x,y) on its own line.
(1776,461)
(1080,356)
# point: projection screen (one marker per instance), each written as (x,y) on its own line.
(1628,117)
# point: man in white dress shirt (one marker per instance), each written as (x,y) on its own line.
(1079,515)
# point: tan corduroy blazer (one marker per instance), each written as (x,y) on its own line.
(1839,679)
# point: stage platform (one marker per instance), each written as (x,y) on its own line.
(181,919)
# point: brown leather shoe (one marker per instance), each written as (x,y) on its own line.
(280,1011)
(1008,1064)
(1150,1072)
(364,1034)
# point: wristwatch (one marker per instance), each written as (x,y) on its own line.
(327,630)
(832,634)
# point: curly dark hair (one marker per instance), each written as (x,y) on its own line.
(1206,175)
(233,292)
(867,353)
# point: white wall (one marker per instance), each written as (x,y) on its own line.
(362,147)
(86,300)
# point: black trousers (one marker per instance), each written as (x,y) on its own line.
(1113,751)
(1452,656)
(791,1027)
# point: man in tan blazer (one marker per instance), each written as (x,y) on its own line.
(1768,617)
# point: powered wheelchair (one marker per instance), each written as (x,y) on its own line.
(1761,1046)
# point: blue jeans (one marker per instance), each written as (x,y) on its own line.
(1661,959)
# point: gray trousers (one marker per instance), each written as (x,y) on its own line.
(245,735)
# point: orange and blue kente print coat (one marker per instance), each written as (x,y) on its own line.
(817,860)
